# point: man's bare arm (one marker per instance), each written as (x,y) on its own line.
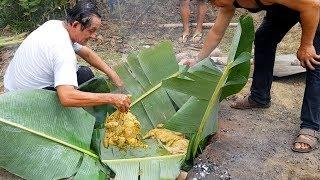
(216,33)
(70,97)
(94,60)
(214,36)
(309,16)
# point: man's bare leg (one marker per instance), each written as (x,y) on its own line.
(185,15)
(202,9)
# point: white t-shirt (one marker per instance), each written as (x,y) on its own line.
(46,58)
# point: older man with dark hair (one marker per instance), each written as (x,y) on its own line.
(46,59)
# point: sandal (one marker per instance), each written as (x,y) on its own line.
(196,37)
(247,103)
(184,37)
(311,140)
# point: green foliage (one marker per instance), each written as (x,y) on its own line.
(33,125)
(26,15)
(158,85)
(40,139)
(230,81)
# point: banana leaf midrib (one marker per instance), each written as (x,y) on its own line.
(212,103)
(146,158)
(49,138)
(240,54)
(152,90)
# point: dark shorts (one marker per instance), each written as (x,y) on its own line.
(84,74)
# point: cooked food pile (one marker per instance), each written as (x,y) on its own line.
(174,142)
(122,130)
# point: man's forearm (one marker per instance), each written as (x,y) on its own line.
(71,97)
(309,17)
(217,31)
(102,66)
(76,98)
(309,24)
(94,60)
(210,44)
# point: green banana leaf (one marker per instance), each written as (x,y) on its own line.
(230,81)
(152,105)
(186,101)
(40,139)
(99,85)
(154,162)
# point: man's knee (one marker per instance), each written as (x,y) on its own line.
(84,74)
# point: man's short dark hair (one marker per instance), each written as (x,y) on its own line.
(83,12)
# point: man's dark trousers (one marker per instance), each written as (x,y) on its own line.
(277,22)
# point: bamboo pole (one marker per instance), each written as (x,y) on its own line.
(19,36)
(8,41)
(205,25)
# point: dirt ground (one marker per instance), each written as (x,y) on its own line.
(250,144)
(255,144)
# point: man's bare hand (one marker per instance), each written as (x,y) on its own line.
(308,57)
(188,62)
(122,102)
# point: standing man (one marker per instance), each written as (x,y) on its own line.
(281,16)
(46,59)
(185,15)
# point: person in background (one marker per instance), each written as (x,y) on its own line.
(46,59)
(185,15)
(281,16)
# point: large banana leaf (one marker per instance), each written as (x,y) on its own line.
(43,140)
(184,100)
(40,139)
(223,84)
(151,163)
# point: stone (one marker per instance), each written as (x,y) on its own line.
(286,65)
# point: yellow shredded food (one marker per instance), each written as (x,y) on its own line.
(122,130)
(174,142)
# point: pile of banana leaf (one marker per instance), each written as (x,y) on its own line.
(40,139)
